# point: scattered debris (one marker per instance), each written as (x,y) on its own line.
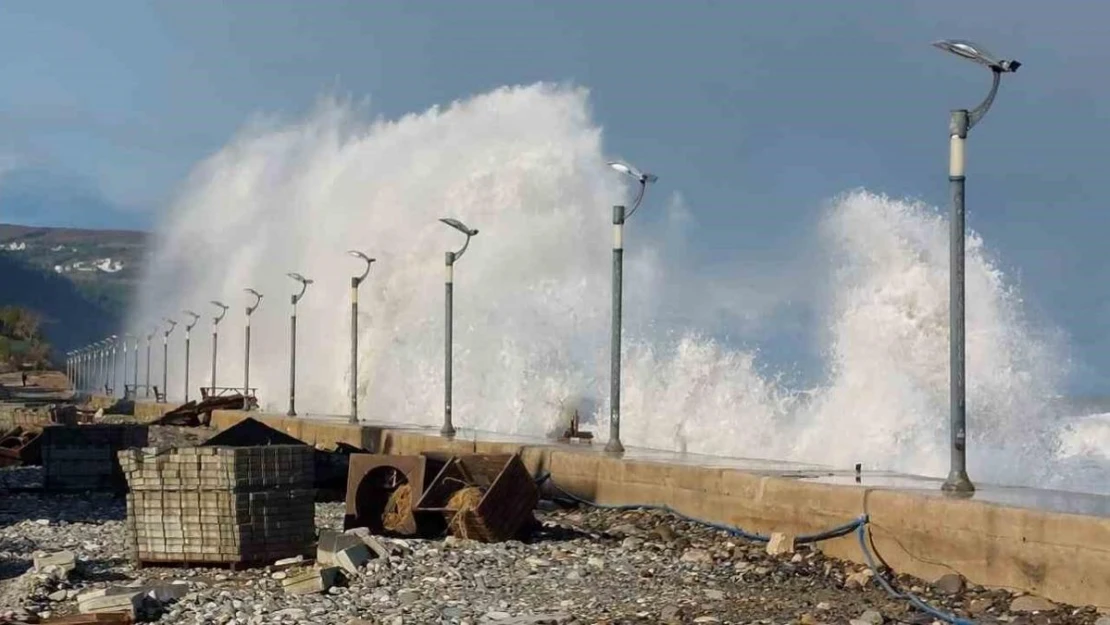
(780,544)
(107,618)
(193,413)
(311,581)
(21,447)
(375,545)
(488,498)
(331,543)
(286,563)
(64,560)
(126,600)
(382,491)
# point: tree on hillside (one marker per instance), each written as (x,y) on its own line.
(21,342)
(19,323)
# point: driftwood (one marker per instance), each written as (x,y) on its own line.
(193,413)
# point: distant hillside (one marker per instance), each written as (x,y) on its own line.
(68,319)
(104,265)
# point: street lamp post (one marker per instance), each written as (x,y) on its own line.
(104,363)
(614,445)
(166,357)
(86,368)
(355,282)
(216,340)
(149,340)
(135,369)
(448,429)
(959,124)
(123,366)
(118,343)
(247,347)
(293,341)
(188,330)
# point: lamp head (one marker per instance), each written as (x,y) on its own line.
(358,254)
(253,292)
(220,305)
(628,170)
(299,278)
(975,52)
(460,226)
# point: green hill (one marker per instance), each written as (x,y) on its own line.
(62,313)
(105,266)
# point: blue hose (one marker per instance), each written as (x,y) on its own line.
(913,600)
(859,526)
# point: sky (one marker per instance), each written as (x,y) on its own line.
(755,114)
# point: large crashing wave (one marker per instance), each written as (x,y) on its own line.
(525,165)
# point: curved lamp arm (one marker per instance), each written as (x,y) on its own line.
(172,323)
(223,311)
(643,178)
(463,228)
(369,261)
(196,318)
(304,285)
(257,300)
(977,113)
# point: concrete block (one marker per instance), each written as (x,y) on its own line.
(780,544)
(309,582)
(285,563)
(128,600)
(163,593)
(332,542)
(375,545)
(64,560)
(352,558)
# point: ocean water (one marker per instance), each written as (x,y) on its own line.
(526,166)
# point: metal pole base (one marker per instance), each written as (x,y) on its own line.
(353,420)
(447,431)
(958,483)
(291,413)
(614,446)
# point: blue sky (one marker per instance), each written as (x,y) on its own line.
(756,112)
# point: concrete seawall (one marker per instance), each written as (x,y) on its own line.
(1056,545)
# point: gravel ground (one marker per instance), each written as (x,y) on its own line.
(585,566)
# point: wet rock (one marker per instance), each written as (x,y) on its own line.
(632,543)
(671,615)
(664,533)
(1031,603)
(981,606)
(950,584)
(872,617)
(859,579)
(697,556)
